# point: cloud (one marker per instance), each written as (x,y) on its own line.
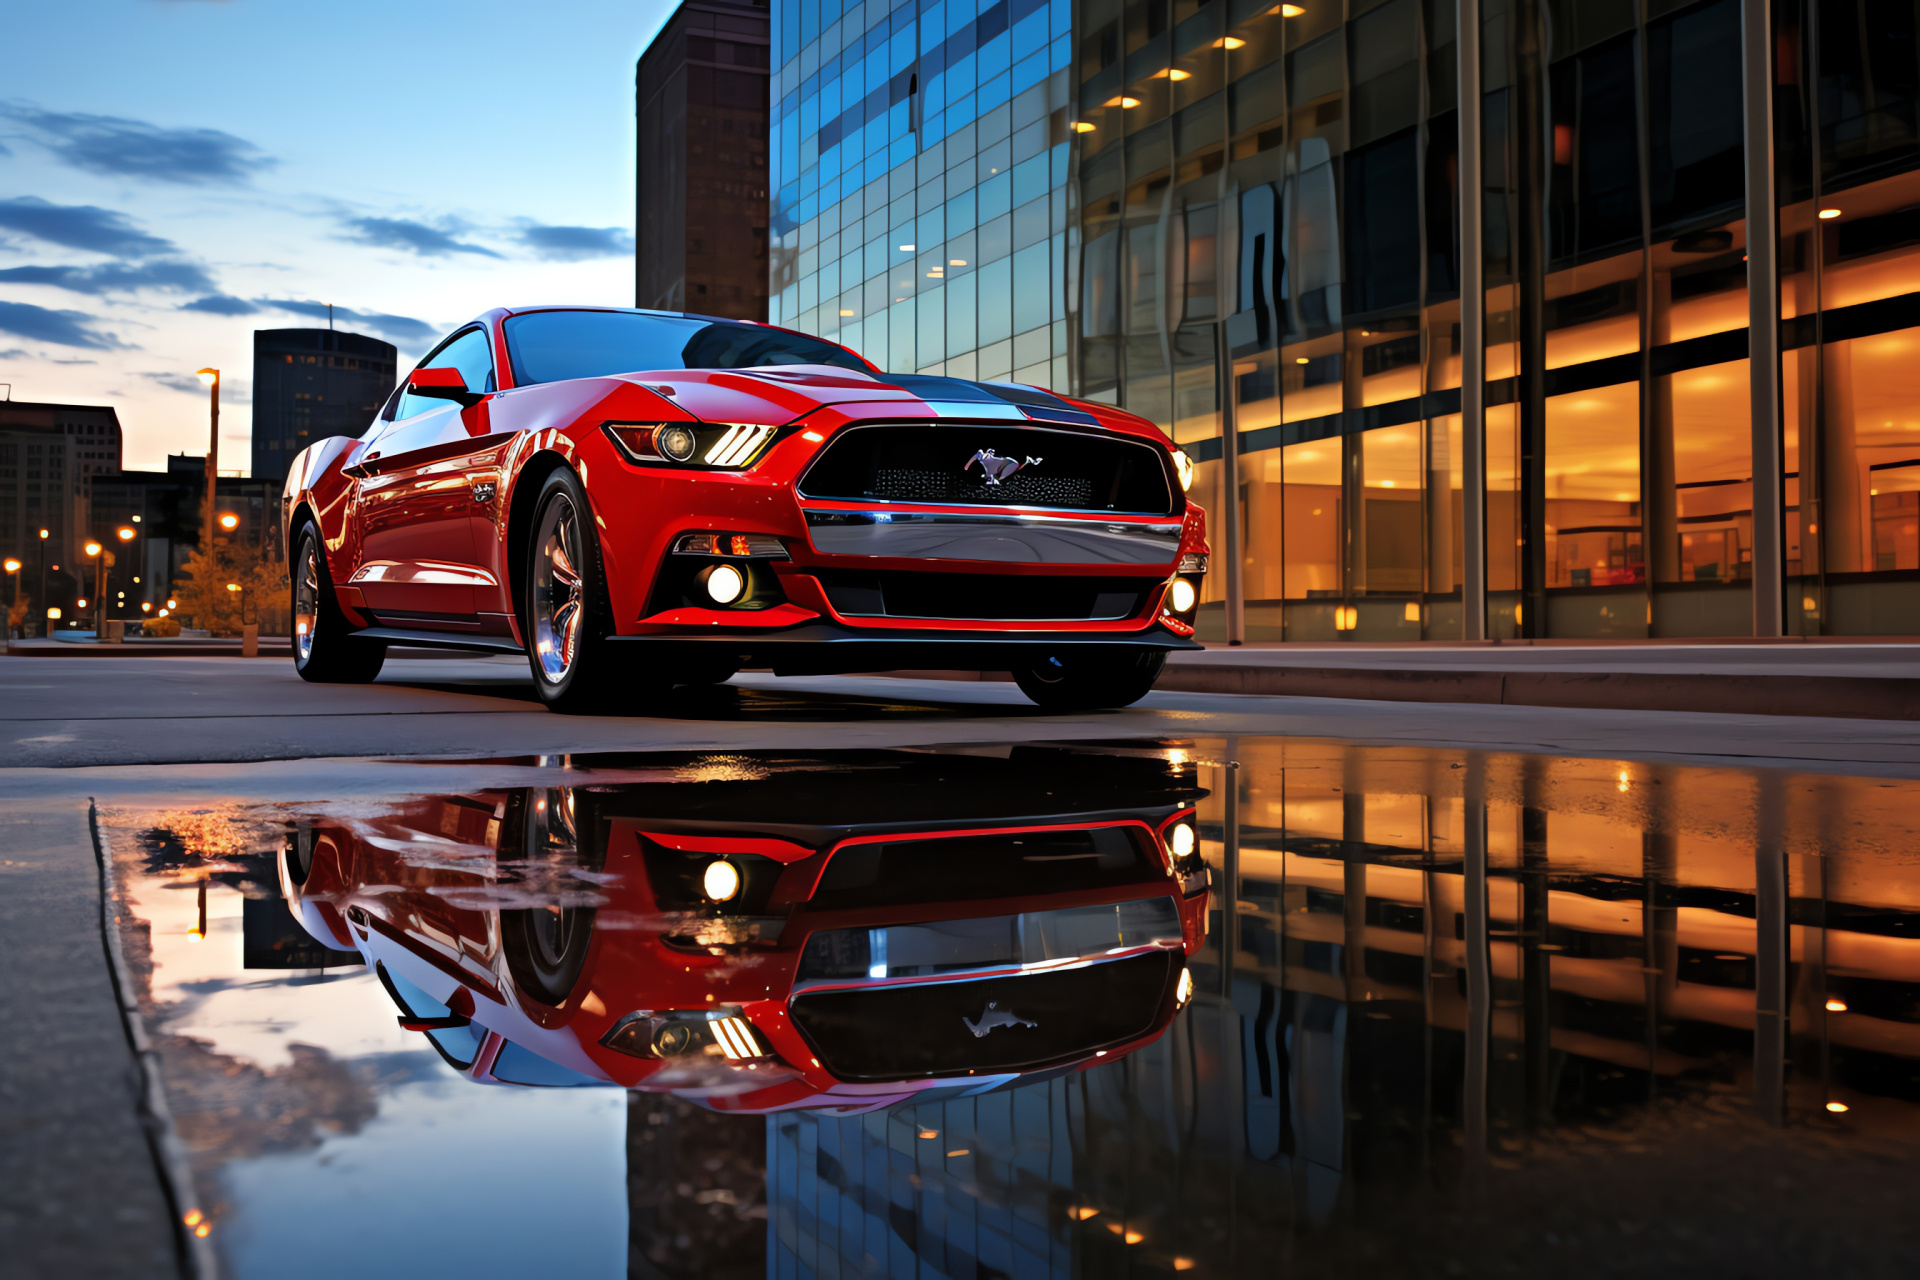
(135,149)
(575,244)
(220,304)
(62,328)
(179,382)
(403,331)
(412,237)
(80,226)
(172,274)
(231,392)
(16,353)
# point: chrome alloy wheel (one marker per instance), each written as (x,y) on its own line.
(306,601)
(556,591)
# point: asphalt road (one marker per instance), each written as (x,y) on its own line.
(94,726)
(79,1194)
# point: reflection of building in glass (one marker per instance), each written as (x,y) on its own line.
(1178,199)
(701,137)
(1667,952)
(920,183)
(309,384)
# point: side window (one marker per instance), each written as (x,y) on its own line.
(471,354)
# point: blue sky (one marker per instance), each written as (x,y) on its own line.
(175,174)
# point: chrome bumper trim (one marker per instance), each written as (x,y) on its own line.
(1000,539)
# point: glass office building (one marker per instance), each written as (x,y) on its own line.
(1242,220)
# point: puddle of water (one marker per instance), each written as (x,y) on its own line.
(1194,1006)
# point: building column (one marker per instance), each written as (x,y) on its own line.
(1473,345)
(1763,314)
(1231,518)
(1479,965)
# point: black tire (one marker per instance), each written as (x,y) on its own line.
(569,616)
(326,651)
(1091,683)
(546,947)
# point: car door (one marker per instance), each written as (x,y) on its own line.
(414,503)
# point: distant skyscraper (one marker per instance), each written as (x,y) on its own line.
(309,384)
(701,102)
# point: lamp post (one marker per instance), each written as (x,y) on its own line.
(126,533)
(210,379)
(43,574)
(98,553)
(13,570)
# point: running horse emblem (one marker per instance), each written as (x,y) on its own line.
(997,468)
(992,1018)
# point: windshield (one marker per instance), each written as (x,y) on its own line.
(548,346)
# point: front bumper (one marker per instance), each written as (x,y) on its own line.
(828,648)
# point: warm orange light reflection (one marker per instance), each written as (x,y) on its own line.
(1836,1107)
(1836,1005)
(1828,214)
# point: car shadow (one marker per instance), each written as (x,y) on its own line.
(728,702)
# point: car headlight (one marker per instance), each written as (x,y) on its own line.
(1183,467)
(721,1033)
(717,446)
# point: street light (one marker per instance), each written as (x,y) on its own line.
(229,521)
(210,379)
(43,566)
(97,552)
(13,568)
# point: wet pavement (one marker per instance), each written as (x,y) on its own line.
(1218,1004)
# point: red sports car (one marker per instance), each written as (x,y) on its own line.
(637,499)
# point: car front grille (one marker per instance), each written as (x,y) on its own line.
(946,464)
(1023,1022)
(982,597)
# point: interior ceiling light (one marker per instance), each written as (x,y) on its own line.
(1291,11)
(1176,74)
(1232,42)
(1829,213)
(1083,126)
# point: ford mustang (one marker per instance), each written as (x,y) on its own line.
(637,499)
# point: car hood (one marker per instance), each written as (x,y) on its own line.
(785,394)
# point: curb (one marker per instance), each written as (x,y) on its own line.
(1843,697)
(198,1261)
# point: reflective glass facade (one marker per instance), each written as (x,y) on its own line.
(1248,219)
(920,178)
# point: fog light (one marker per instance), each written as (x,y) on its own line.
(676,443)
(673,1039)
(721,881)
(1181,596)
(1180,839)
(1183,991)
(725,584)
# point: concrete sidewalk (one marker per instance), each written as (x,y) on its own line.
(1849,680)
(79,1191)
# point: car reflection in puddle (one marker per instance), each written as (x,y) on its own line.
(787,938)
(1037,1010)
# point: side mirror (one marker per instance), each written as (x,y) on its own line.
(442,384)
